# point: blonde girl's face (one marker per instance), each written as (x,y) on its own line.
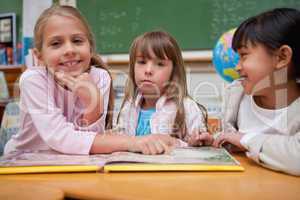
(65,46)
(256,65)
(152,75)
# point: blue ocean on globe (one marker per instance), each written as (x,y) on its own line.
(225,59)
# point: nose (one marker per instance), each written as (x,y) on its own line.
(149,68)
(69,49)
(238,67)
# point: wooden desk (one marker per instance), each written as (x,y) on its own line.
(255,183)
(13,190)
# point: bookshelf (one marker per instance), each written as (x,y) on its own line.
(12,74)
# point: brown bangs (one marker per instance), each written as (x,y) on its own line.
(158,44)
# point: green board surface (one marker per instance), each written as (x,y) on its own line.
(196,24)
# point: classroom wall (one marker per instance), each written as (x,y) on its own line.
(196,27)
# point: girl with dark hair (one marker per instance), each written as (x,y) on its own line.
(262,108)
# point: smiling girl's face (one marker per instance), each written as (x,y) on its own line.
(65,45)
(256,65)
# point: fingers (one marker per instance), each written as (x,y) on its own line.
(154,147)
(206,138)
(220,140)
(156,144)
(65,80)
(70,81)
(201,139)
(168,140)
(193,140)
(166,149)
(84,76)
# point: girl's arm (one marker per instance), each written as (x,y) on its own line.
(44,118)
(278,152)
(197,134)
(37,98)
(152,144)
(88,93)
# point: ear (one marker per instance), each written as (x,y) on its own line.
(284,56)
(38,55)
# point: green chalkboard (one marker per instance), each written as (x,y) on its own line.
(196,24)
(13,6)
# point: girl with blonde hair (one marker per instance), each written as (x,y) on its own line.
(66,104)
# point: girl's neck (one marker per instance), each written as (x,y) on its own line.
(278,96)
(148,103)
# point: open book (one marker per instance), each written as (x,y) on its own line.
(180,159)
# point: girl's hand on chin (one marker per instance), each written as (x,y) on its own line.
(82,86)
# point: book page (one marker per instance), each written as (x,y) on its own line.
(50,158)
(188,155)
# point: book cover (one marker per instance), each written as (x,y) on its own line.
(180,159)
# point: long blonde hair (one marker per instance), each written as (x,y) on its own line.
(163,45)
(68,11)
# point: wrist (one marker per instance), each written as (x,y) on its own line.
(131,144)
(91,115)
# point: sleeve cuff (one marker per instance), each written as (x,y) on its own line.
(87,145)
(253,143)
(246,138)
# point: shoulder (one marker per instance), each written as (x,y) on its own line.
(234,92)
(190,104)
(235,85)
(128,104)
(194,115)
(294,107)
(100,75)
(126,111)
(33,76)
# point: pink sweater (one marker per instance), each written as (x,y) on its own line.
(49,114)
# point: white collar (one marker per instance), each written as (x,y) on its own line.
(159,104)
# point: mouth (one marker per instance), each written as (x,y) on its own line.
(242,78)
(70,63)
(146,82)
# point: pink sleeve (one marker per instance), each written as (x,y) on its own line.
(102,79)
(37,94)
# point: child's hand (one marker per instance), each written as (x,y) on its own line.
(88,93)
(82,85)
(153,144)
(231,138)
(200,139)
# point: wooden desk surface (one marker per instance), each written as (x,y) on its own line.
(13,190)
(255,183)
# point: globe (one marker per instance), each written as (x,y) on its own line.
(225,59)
